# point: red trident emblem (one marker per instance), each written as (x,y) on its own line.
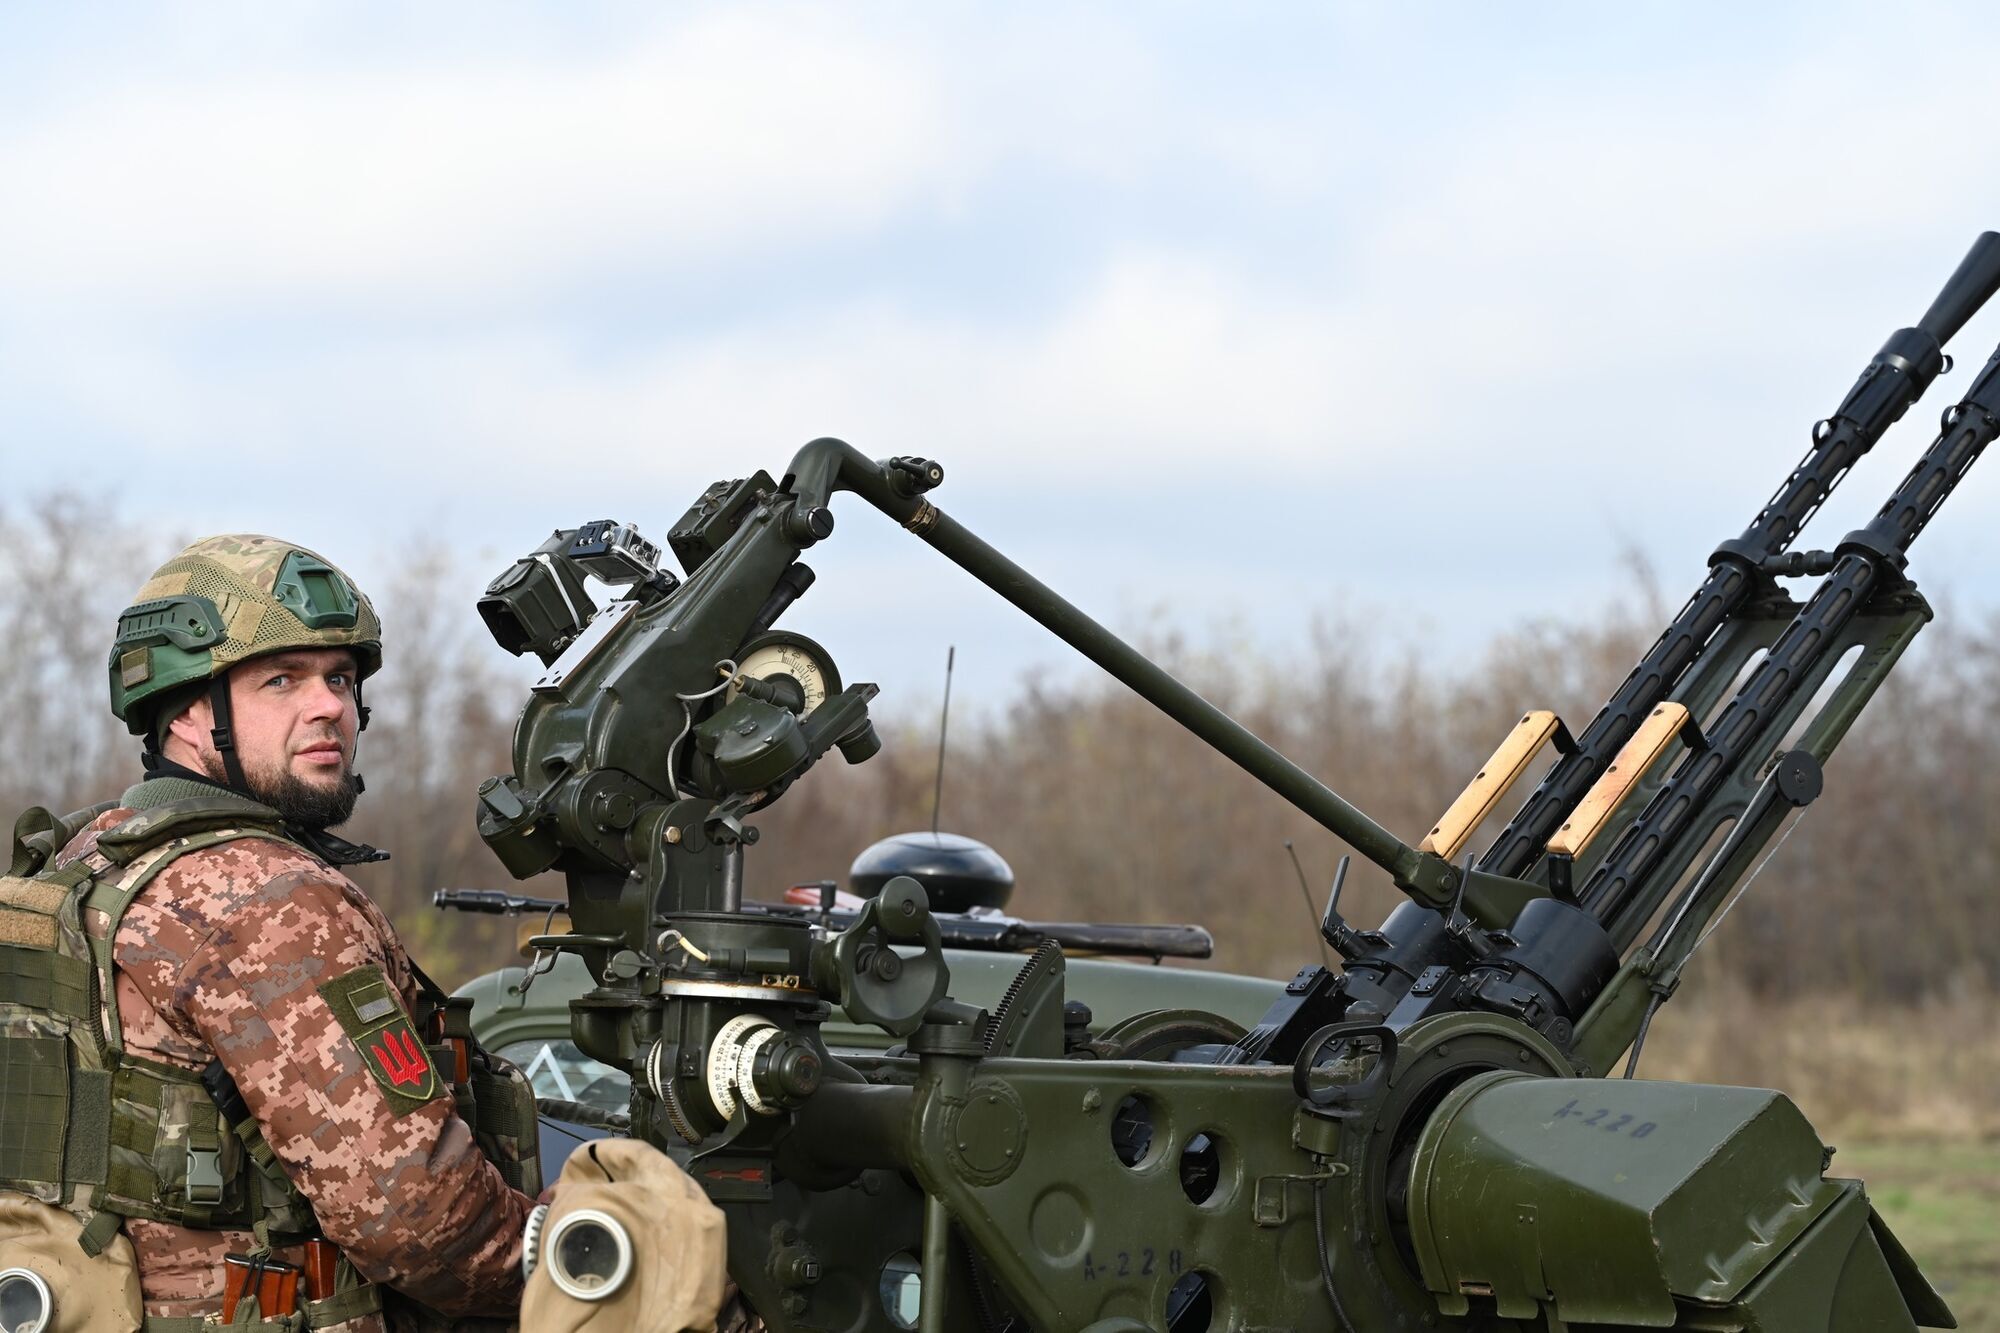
(402,1059)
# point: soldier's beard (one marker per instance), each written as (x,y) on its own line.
(298,802)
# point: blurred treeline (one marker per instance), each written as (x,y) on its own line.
(1888,895)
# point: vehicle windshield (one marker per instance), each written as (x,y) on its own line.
(558,1069)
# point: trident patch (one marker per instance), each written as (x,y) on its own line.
(381,1030)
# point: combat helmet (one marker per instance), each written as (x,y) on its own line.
(222,601)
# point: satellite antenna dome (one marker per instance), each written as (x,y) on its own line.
(957,872)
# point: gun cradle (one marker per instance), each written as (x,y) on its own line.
(1478,1180)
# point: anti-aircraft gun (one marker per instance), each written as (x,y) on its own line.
(1430,1136)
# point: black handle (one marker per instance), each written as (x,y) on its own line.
(1341,1099)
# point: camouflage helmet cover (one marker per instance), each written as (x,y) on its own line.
(225,600)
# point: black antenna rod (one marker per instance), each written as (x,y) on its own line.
(1306,889)
(944,716)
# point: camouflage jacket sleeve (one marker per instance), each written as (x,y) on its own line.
(392,1172)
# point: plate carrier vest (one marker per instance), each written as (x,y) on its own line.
(104,1134)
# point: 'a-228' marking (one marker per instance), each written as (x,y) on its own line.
(1602,1118)
(1127,1263)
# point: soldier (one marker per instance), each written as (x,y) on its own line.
(284,1097)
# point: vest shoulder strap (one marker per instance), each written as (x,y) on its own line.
(112,894)
(186,818)
(39,834)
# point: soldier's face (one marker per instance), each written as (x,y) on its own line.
(294,719)
(295,714)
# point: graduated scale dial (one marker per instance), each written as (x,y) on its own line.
(782,709)
(785,668)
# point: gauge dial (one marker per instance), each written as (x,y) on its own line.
(793,655)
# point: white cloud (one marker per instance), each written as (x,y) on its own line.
(722,136)
(1559,283)
(1163,358)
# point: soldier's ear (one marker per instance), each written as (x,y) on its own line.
(188,730)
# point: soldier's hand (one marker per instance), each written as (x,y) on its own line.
(737,1317)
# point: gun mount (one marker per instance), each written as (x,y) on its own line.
(1421,1139)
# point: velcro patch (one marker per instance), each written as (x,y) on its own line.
(30,930)
(381,1030)
(33,894)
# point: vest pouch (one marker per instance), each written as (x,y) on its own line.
(34,1069)
(248,1319)
(97,1294)
(286,1212)
(355,1303)
(464,1097)
(505,1121)
(172,1157)
(48,1044)
(495,1100)
(198,1161)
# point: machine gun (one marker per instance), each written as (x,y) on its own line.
(990,931)
(1421,1139)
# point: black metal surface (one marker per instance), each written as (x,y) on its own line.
(1894,380)
(1869,559)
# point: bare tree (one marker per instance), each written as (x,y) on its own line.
(1103,806)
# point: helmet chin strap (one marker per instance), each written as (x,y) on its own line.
(222,734)
(360,725)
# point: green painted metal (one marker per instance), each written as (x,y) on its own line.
(1650,1205)
(1408,1143)
(1114,991)
(1608,1199)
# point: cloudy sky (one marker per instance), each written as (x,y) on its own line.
(1213,313)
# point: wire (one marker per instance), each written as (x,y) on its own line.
(1645,1023)
(1737,896)
(1326,1269)
(730,671)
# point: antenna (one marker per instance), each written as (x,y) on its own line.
(1307,891)
(944,717)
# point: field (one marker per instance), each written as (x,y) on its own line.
(1943,1202)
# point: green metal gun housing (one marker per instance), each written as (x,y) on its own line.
(1420,1139)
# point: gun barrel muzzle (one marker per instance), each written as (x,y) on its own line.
(1977,278)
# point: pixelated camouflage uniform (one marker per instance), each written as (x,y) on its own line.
(222,956)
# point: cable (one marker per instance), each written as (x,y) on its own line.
(1326,1269)
(730,671)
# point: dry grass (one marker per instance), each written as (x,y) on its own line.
(1922,1072)
(1109,811)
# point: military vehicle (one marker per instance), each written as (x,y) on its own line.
(1437,1134)
(523,1013)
